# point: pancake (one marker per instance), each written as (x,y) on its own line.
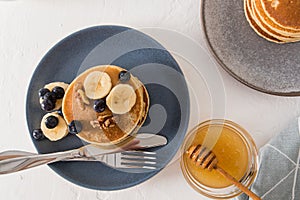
(266,19)
(265,27)
(119,127)
(284,13)
(255,26)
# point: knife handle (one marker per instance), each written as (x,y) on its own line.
(14,153)
(15,164)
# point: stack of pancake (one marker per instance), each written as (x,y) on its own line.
(275,20)
(106,127)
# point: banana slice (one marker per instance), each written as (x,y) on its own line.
(97,85)
(56,133)
(50,87)
(121,99)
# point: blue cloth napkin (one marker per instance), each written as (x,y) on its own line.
(279,174)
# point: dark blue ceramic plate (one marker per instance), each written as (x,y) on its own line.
(146,59)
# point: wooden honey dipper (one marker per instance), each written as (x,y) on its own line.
(206,159)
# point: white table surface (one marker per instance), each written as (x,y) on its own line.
(29,28)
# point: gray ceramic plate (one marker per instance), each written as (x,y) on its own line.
(260,64)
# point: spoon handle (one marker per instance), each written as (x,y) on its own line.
(237,183)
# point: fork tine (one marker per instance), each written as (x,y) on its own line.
(138,159)
(138,162)
(138,155)
(138,165)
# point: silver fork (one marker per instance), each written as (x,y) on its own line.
(126,160)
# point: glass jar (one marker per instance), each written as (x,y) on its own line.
(234,149)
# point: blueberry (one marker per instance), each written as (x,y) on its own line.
(124,76)
(59,91)
(99,105)
(75,127)
(51,122)
(47,105)
(37,134)
(43,91)
(50,96)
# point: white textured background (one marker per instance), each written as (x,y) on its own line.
(29,28)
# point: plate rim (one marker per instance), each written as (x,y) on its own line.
(230,72)
(60,172)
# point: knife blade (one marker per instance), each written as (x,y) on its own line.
(141,141)
(148,140)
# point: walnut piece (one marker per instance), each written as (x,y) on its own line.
(112,125)
(95,124)
(110,122)
(103,118)
(104,127)
(83,97)
(79,101)
(107,121)
(78,86)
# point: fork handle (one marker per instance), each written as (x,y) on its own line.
(237,183)
(15,164)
